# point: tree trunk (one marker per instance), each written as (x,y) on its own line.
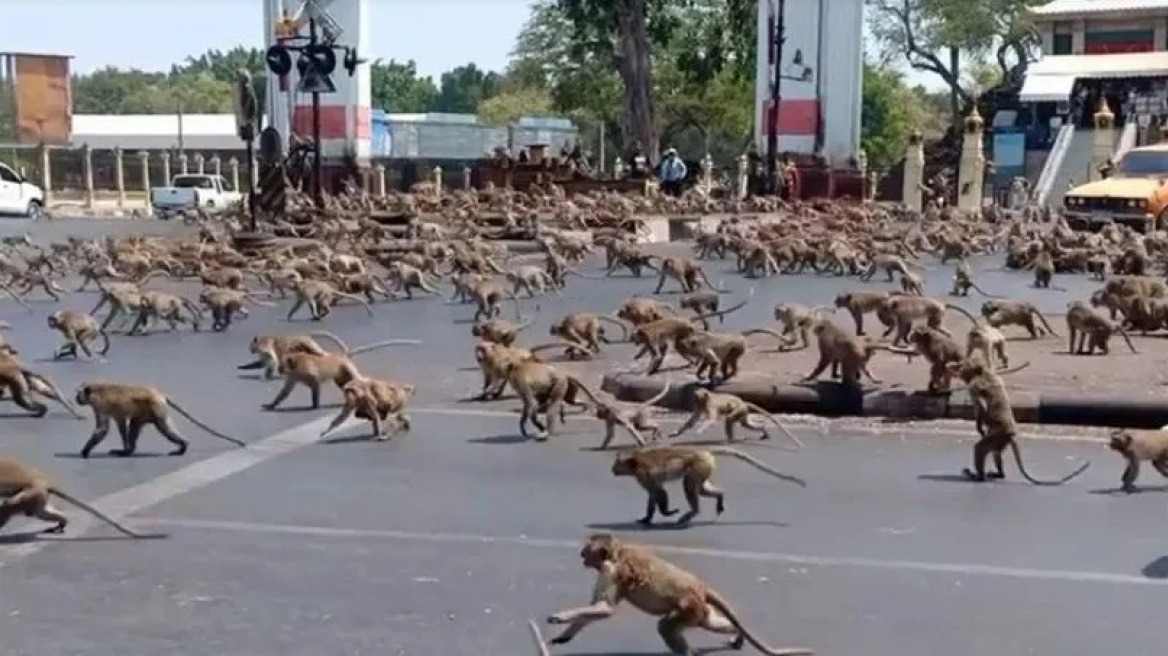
(955,86)
(636,71)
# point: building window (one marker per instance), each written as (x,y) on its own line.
(1063,44)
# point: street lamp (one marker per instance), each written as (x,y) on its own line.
(796,71)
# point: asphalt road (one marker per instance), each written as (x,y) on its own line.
(444,542)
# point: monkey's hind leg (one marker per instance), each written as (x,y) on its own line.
(166,429)
(981,450)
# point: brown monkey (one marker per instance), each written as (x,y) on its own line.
(687,272)
(1015,313)
(27,491)
(702,302)
(488,297)
(860,303)
(635,421)
(984,339)
(905,310)
(626,571)
(656,465)
(585,330)
(531,279)
(78,329)
(270,349)
(912,284)
(1138,446)
(939,350)
(494,359)
(1149,286)
(716,354)
(225,304)
(313,371)
(498,331)
(655,337)
(123,298)
(891,264)
(375,401)
(367,284)
(407,278)
(320,297)
(732,410)
(1043,265)
(1092,329)
(797,321)
(131,407)
(30,279)
(541,385)
(994,419)
(168,307)
(640,311)
(24,385)
(847,355)
(963,281)
(226,277)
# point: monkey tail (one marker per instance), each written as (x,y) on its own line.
(16,297)
(1025,474)
(365,304)
(776,422)
(540,646)
(1126,338)
(756,463)
(105,341)
(981,291)
(1045,323)
(124,530)
(191,418)
(54,394)
(195,310)
(733,308)
(720,604)
(763,331)
(618,323)
(365,348)
(972,319)
(717,288)
(657,397)
(331,337)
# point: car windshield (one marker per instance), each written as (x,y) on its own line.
(192,182)
(1144,163)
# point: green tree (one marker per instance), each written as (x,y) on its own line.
(115,91)
(508,107)
(397,87)
(941,36)
(223,65)
(463,89)
(889,116)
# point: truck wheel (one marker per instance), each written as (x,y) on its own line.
(35,210)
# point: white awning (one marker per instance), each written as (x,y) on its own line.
(1066,7)
(1046,88)
(1133,64)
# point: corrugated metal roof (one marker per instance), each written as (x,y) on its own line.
(1136,64)
(1097,6)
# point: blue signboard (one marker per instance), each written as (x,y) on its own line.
(381,137)
(1009,154)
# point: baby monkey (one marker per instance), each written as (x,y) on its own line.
(636,421)
(654,466)
(655,586)
(1137,447)
(78,329)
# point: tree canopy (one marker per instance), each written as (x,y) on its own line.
(662,72)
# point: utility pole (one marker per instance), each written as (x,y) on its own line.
(776,38)
(317,159)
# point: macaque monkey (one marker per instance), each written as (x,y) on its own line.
(313,371)
(688,273)
(1016,313)
(702,302)
(732,410)
(23,385)
(994,419)
(847,354)
(640,311)
(890,264)
(498,331)
(585,331)
(225,304)
(376,401)
(1138,446)
(635,421)
(904,311)
(488,297)
(131,408)
(963,281)
(653,585)
(531,279)
(540,385)
(27,491)
(494,359)
(407,278)
(320,297)
(1088,330)
(1043,266)
(860,303)
(913,284)
(365,284)
(656,465)
(78,329)
(271,349)
(168,307)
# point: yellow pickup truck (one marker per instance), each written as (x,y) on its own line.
(1136,194)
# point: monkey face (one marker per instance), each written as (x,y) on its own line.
(477,330)
(1120,441)
(842,300)
(54,320)
(988,308)
(624,465)
(82,395)
(598,550)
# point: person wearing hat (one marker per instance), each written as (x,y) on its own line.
(672,173)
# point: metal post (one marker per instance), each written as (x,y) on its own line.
(317,164)
(776,37)
(251,192)
(181,136)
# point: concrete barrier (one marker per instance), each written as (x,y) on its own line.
(833,399)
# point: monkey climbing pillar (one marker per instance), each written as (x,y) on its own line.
(972,174)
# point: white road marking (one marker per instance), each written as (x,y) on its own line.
(962,569)
(137,498)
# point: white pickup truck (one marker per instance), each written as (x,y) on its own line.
(19,196)
(193,190)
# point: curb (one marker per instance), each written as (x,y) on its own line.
(833,399)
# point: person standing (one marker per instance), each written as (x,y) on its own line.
(672,173)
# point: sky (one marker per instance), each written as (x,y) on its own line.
(152,34)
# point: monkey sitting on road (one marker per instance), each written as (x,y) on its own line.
(656,465)
(732,410)
(963,281)
(375,401)
(131,407)
(26,491)
(626,571)
(994,419)
(78,329)
(1138,446)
